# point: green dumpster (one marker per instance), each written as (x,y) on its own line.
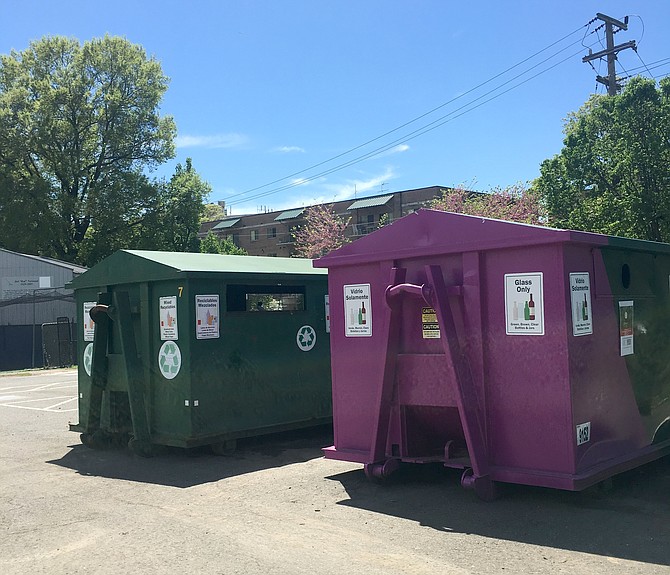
(187,349)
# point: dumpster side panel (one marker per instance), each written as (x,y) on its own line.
(642,281)
(357,362)
(168,360)
(84,298)
(528,392)
(266,369)
(605,423)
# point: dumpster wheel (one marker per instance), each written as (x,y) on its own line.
(377,472)
(484,487)
(99,439)
(224,447)
(141,448)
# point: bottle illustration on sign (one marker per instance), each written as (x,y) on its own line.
(363,321)
(515,311)
(531,309)
(526,311)
(585,309)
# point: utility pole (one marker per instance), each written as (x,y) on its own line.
(610,81)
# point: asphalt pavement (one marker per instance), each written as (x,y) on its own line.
(276,506)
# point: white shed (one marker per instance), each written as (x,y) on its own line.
(32,293)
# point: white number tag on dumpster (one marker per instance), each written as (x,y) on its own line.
(583,433)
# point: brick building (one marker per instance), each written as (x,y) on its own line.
(270,233)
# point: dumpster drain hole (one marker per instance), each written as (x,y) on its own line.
(625,276)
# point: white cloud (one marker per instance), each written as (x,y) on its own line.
(231,140)
(289,149)
(318,191)
(367,186)
(395,150)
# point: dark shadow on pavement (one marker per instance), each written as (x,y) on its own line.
(189,467)
(631,520)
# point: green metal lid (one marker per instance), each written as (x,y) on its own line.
(134,266)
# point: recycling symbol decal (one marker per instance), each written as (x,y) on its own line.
(169,359)
(306,338)
(88,358)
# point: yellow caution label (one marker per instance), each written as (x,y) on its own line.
(430,328)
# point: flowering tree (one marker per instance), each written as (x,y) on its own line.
(515,203)
(322,232)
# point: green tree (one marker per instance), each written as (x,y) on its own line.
(212,212)
(79,124)
(613,173)
(212,244)
(182,202)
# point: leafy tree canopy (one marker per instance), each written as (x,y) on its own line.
(613,174)
(79,123)
(212,244)
(212,212)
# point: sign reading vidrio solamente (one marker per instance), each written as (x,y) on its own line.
(357,311)
(580,298)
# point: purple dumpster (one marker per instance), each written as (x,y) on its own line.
(517,353)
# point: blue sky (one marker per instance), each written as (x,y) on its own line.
(284,103)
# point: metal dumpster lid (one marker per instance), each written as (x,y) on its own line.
(432,232)
(133,266)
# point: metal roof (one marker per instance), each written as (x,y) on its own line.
(226,224)
(289,214)
(136,266)
(76,269)
(193,262)
(431,232)
(370,202)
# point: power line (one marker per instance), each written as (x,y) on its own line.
(422,130)
(414,120)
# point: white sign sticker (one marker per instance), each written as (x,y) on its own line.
(626,327)
(207,316)
(580,296)
(524,304)
(13,287)
(357,311)
(168,317)
(89,324)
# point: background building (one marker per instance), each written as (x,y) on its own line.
(270,233)
(35,311)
